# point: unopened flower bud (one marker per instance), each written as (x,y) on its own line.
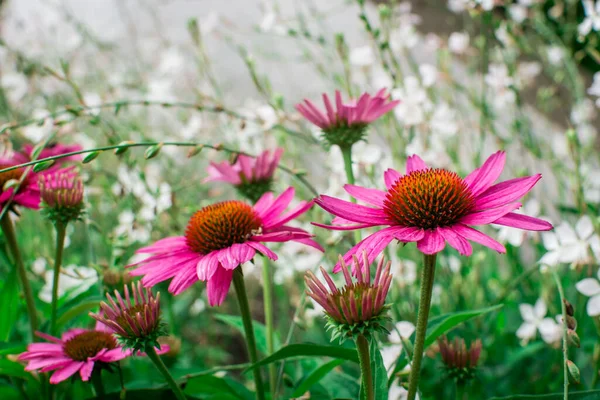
(569,307)
(571,322)
(460,361)
(574,375)
(573,338)
(62,196)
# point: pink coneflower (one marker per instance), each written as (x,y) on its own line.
(28,193)
(357,308)
(251,176)
(432,206)
(346,124)
(218,239)
(78,350)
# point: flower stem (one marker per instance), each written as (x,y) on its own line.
(424,306)
(151,352)
(97,383)
(60,244)
(268,303)
(240,289)
(460,391)
(362,346)
(9,232)
(347,154)
(565,343)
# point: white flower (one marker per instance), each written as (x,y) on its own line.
(533,321)
(197,306)
(15,85)
(398,392)
(515,236)
(414,102)
(591,288)
(402,331)
(362,56)
(568,245)
(458,42)
(518,13)
(458,6)
(592,18)
(594,90)
(192,128)
(499,80)
(555,55)
(74,280)
(39,266)
(527,72)
(443,121)
(582,112)
(429,74)
(36,132)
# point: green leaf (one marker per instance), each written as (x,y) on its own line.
(11,348)
(68,313)
(143,394)
(380,379)
(9,302)
(221,388)
(439,325)
(315,376)
(309,350)
(260,331)
(587,395)
(14,369)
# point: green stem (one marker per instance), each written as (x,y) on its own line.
(240,289)
(268,303)
(565,343)
(347,154)
(11,239)
(61,230)
(97,383)
(151,352)
(460,391)
(362,346)
(424,306)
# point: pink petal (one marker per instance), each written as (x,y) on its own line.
(45,361)
(263,203)
(478,237)
(351,211)
(488,216)
(371,196)
(279,204)
(409,234)
(284,218)
(482,178)
(86,370)
(306,113)
(390,177)
(236,255)
(431,243)
(415,163)
(185,278)
(115,355)
(311,243)
(506,192)
(523,222)
(373,244)
(458,242)
(218,286)
(343,227)
(207,266)
(330,112)
(66,372)
(261,248)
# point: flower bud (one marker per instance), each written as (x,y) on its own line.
(574,375)
(573,338)
(569,307)
(460,361)
(62,196)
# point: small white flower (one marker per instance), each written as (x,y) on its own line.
(402,331)
(527,72)
(582,112)
(594,90)
(15,86)
(458,42)
(592,18)
(443,121)
(362,56)
(499,80)
(429,74)
(39,266)
(533,321)
(197,306)
(518,13)
(414,102)
(568,245)
(591,288)
(555,55)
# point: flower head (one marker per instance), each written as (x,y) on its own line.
(433,206)
(460,361)
(347,123)
(251,176)
(534,319)
(359,306)
(218,239)
(62,196)
(135,321)
(78,350)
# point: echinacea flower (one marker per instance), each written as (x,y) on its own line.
(28,192)
(135,321)
(460,361)
(219,238)
(432,206)
(78,350)
(347,123)
(357,308)
(62,196)
(251,176)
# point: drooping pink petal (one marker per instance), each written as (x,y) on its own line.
(478,237)
(218,286)
(371,196)
(206,266)
(344,227)
(276,221)
(309,115)
(115,355)
(488,216)
(261,248)
(455,240)
(431,243)
(351,211)
(184,278)
(415,163)
(506,192)
(66,372)
(408,234)
(523,222)
(373,244)
(263,203)
(310,242)
(484,177)
(86,370)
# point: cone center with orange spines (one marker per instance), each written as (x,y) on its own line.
(428,199)
(88,344)
(221,225)
(9,175)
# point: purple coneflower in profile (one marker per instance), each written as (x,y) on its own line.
(432,206)
(62,196)
(251,176)
(218,239)
(346,124)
